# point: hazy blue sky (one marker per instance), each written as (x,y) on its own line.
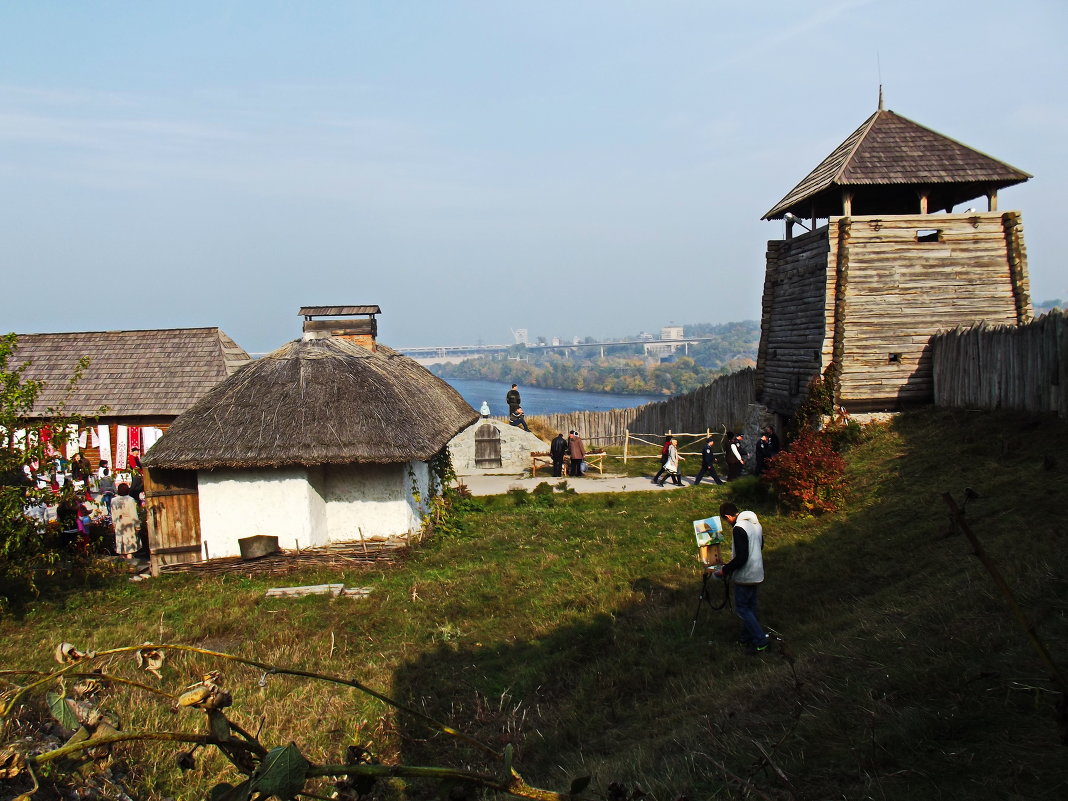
(574,168)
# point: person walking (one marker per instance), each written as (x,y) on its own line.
(733,455)
(746,571)
(106,486)
(708,463)
(577,451)
(663,458)
(671,464)
(126,522)
(557,451)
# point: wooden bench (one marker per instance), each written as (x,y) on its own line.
(542,459)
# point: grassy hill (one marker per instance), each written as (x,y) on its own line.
(562,626)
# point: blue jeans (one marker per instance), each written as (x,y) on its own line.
(745,606)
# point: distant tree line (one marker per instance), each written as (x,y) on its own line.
(625,370)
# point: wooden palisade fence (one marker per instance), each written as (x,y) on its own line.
(1009,367)
(723,403)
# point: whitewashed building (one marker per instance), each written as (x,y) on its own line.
(322,440)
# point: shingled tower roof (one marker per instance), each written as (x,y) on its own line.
(885,162)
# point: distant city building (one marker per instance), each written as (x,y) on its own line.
(671,332)
(555,340)
(521,336)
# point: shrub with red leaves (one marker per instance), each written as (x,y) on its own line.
(809,476)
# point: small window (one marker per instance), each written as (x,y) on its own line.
(894,358)
(929,235)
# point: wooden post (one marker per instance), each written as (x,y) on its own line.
(999,581)
(992,200)
(626,443)
(923,202)
(847,204)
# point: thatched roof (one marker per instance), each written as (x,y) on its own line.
(314,402)
(155,373)
(885,160)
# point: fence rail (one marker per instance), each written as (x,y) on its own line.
(1007,367)
(723,403)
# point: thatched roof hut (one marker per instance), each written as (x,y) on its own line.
(317,402)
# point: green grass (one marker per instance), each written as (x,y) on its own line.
(564,630)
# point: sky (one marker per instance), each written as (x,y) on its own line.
(573,168)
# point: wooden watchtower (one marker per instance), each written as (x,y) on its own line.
(892,265)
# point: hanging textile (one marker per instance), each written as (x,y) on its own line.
(83,438)
(104,436)
(149,435)
(122,447)
(94,437)
(72,440)
(133,438)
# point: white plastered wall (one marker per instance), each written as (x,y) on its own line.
(243,503)
(375,500)
(308,506)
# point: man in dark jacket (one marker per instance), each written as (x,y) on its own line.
(708,464)
(557,449)
(512,398)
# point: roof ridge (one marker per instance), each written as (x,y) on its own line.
(866,127)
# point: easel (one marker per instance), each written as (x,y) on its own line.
(711,560)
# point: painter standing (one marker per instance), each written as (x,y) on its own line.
(746,572)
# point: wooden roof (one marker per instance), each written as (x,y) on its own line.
(336,311)
(159,372)
(884,159)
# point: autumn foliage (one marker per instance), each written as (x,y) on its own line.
(809,476)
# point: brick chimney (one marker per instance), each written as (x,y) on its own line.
(354,323)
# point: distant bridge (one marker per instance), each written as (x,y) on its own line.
(431,353)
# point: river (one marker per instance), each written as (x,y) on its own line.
(539,400)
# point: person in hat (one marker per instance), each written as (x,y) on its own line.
(708,464)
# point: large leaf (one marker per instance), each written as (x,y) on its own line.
(579,784)
(57,705)
(282,772)
(228,792)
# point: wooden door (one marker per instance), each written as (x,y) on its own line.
(487,446)
(172,506)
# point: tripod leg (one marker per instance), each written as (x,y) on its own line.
(702,598)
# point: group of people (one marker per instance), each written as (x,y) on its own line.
(516,415)
(573,449)
(734,456)
(94,499)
